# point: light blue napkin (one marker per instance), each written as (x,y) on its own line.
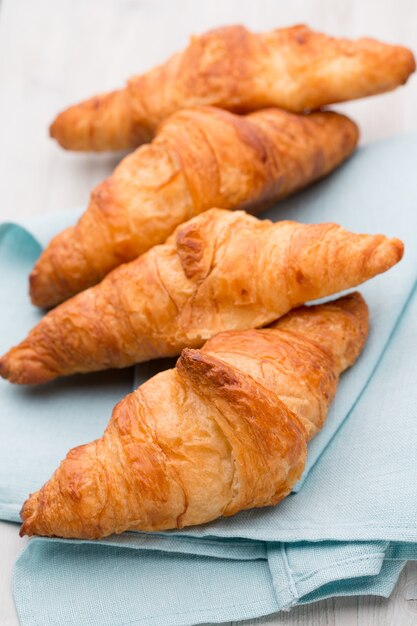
(348,530)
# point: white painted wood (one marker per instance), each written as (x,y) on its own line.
(55,53)
(10,547)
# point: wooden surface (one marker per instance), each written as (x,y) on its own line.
(55,53)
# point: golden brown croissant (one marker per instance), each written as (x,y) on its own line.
(201,158)
(292,68)
(222,270)
(224,431)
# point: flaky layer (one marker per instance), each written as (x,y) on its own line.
(292,68)
(224,431)
(220,271)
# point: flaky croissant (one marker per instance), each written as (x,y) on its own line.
(200,158)
(222,270)
(224,431)
(292,68)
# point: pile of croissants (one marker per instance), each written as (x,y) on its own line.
(166,262)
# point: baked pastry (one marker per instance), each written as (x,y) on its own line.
(292,68)
(222,270)
(224,431)
(200,158)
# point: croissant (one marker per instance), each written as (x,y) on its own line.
(292,68)
(200,158)
(220,271)
(226,430)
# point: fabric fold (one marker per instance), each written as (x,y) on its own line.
(116,587)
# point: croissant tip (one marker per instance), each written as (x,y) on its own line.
(394,252)
(12,375)
(409,64)
(21,366)
(8,371)
(386,254)
(67,129)
(52,129)
(4,369)
(27,514)
(32,518)
(45,290)
(25,530)
(399,247)
(58,129)
(38,293)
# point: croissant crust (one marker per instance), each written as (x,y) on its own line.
(220,271)
(200,158)
(296,69)
(224,431)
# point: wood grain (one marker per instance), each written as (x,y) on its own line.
(55,53)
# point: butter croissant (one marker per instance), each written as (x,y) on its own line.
(292,68)
(222,270)
(224,431)
(200,158)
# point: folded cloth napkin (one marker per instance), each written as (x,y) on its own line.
(351,525)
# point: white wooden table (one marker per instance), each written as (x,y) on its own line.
(55,53)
